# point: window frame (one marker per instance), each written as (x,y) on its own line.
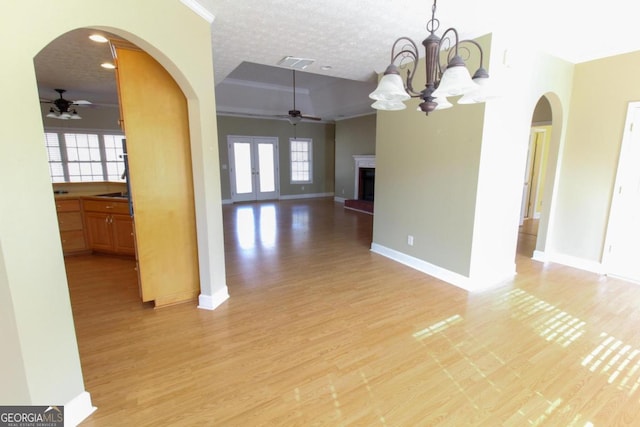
(309,160)
(63,160)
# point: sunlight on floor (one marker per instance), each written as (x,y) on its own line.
(619,361)
(437,327)
(548,321)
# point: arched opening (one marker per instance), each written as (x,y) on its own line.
(90,161)
(540,177)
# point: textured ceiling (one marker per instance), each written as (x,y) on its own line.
(351,37)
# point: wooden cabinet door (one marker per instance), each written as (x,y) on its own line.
(99,231)
(73,241)
(123,240)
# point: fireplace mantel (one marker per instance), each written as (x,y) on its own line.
(362,161)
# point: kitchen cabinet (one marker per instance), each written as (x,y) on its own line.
(109,226)
(72,233)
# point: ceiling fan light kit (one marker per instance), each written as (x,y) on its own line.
(61,108)
(455,80)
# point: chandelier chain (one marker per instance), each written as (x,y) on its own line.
(433,24)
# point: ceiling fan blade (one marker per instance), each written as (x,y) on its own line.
(310,117)
(82,102)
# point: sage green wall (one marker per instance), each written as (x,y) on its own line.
(322,134)
(594,137)
(426,176)
(353,136)
(42,365)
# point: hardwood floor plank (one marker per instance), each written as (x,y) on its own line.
(320,331)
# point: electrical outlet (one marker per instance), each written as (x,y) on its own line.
(410,240)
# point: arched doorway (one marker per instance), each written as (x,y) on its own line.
(159,185)
(540,175)
(534,177)
(32,278)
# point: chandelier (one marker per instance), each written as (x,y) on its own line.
(392,91)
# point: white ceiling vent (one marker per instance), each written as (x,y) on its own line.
(296,63)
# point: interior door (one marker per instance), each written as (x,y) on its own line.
(253,168)
(622,247)
(531,188)
(156,121)
(526,188)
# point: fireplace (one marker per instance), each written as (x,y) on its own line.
(366,183)
(364,191)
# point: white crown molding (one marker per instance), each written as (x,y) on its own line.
(355,116)
(262,85)
(199,10)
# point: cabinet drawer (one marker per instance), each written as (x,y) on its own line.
(73,241)
(70,221)
(68,205)
(106,206)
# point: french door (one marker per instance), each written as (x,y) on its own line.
(253,168)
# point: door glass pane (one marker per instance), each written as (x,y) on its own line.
(266,168)
(242,167)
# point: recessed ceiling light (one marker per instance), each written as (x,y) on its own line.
(108,65)
(326,67)
(99,38)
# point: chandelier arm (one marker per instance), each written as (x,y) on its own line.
(476,44)
(410,50)
(406,48)
(455,45)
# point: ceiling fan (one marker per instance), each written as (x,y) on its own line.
(61,108)
(295,116)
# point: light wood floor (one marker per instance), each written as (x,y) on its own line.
(319,331)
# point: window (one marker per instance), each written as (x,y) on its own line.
(55,158)
(301,161)
(78,157)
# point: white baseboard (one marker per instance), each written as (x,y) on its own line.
(569,261)
(539,256)
(456,279)
(339,199)
(211,302)
(78,409)
(358,210)
(288,197)
(305,196)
